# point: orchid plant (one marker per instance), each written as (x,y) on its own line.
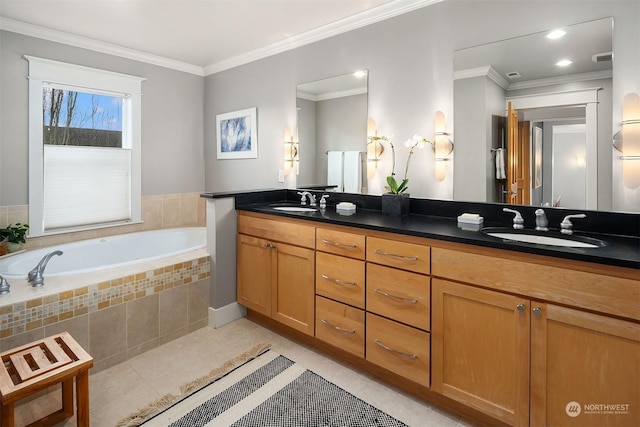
(392,184)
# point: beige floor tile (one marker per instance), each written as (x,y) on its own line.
(124,388)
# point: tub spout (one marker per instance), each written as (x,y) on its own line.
(4,286)
(36,276)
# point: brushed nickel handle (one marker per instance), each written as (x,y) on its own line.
(537,311)
(269,245)
(396,352)
(343,245)
(338,281)
(406,258)
(338,328)
(521,307)
(395,297)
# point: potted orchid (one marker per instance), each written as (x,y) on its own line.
(396,200)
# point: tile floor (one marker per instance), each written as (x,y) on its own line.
(124,388)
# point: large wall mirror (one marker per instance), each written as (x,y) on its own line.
(563,114)
(332,119)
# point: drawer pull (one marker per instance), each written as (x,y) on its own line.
(343,245)
(338,281)
(395,297)
(399,353)
(406,258)
(338,328)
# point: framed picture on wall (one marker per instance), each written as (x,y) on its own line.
(237,134)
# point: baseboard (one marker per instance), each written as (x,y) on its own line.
(221,316)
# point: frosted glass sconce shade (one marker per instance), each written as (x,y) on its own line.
(627,141)
(442,146)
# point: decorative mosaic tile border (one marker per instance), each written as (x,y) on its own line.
(35,313)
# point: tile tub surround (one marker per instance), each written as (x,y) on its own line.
(158,211)
(121,313)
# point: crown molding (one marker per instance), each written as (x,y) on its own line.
(486,71)
(37,31)
(371,16)
(377,14)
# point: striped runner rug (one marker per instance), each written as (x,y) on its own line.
(269,390)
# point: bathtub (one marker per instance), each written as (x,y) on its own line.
(107,273)
(98,254)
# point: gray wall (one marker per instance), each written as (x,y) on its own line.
(172,117)
(341,124)
(410,63)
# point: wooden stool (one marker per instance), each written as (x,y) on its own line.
(33,367)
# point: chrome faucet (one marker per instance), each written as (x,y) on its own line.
(303,200)
(541,220)
(566,224)
(518,221)
(4,286)
(323,201)
(35,277)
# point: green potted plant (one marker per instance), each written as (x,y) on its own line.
(13,236)
(396,200)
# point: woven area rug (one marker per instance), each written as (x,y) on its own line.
(266,390)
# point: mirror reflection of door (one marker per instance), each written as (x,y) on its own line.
(518,166)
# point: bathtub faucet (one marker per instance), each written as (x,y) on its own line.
(36,277)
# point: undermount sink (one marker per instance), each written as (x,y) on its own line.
(539,238)
(294,209)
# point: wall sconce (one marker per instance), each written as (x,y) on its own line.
(291,159)
(442,147)
(627,140)
(374,144)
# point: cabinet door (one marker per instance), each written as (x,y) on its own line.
(293,287)
(254,271)
(581,362)
(480,349)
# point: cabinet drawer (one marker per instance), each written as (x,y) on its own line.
(280,230)
(399,295)
(340,243)
(408,256)
(340,278)
(340,325)
(398,348)
(592,291)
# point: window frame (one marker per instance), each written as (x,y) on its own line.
(45,71)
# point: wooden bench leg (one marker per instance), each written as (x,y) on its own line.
(82,398)
(6,415)
(67,397)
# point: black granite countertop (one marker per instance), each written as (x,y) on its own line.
(441,224)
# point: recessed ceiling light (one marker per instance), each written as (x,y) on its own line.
(564,63)
(556,34)
(360,73)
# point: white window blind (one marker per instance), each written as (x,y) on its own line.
(85,186)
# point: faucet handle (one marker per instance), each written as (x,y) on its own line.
(303,199)
(323,200)
(566,224)
(312,199)
(518,221)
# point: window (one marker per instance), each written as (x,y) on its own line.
(84,147)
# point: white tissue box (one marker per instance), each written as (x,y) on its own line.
(469,218)
(346,207)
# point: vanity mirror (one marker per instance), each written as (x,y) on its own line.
(332,116)
(554,104)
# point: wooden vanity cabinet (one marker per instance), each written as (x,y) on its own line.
(275,272)
(522,341)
